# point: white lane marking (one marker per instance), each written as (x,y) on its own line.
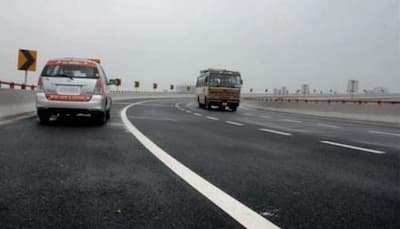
(116,124)
(275,132)
(353,147)
(291,120)
(234,123)
(329,126)
(212,118)
(248,114)
(383,133)
(188,111)
(153,118)
(240,212)
(197,114)
(120,103)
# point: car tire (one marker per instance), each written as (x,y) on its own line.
(108,114)
(44,116)
(100,117)
(233,108)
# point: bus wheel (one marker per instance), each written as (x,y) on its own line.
(207,105)
(233,108)
(198,102)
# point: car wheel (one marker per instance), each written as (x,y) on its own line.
(44,116)
(100,117)
(108,114)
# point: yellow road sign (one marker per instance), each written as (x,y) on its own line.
(27,60)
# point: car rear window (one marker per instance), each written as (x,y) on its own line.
(72,71)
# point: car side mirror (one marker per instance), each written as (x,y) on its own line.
(111,82)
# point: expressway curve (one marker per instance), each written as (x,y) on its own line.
(294,171)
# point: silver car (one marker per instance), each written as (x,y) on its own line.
(73,86)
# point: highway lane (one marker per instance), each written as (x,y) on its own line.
(74,174)
(295,181)
(361,133)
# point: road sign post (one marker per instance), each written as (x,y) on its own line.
(27,61)
(136,85)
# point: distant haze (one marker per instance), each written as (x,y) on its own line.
(273,43)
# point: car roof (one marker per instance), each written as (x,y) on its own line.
(73,61)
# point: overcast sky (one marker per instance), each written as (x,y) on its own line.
(273,43)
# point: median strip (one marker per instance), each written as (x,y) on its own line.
(353,147)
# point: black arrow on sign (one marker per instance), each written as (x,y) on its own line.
(29,60)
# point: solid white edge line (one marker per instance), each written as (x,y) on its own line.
(238,211)
(212,118)
(353,147)
(234,123)
(275,132)
(384,133)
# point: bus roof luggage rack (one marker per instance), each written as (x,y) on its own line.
(220,71)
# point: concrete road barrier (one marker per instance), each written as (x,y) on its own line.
(16,102)
(20,102)
(377,112)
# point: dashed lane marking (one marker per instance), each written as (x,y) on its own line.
(328,126)
(275,132)
(353,147)
(234,123)
(197,114)
(291,120)
(237,210)
(212,118)
(384,133)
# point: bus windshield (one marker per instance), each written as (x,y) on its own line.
(224,81)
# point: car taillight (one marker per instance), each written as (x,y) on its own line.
(99,88)
(40,85)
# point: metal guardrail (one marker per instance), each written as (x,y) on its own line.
(13,85)
(329,101)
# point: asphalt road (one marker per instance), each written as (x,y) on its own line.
(295,171)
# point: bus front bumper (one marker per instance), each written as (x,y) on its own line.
(224,102)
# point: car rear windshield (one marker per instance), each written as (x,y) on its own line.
(72,71)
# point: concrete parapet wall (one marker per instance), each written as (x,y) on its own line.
(384,112)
